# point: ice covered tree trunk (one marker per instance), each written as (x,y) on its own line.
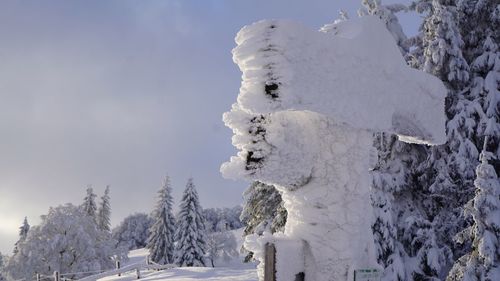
(190,233)
(161,235)
(104,212)
(304,122)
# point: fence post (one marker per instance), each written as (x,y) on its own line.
(269,262)
(118,267)
(138,273)
(38,277)
(56,275)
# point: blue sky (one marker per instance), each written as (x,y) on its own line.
(120,93)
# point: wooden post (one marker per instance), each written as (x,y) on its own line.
(269,262)
(38,277)
(118,267)
(56,275)
(138,273)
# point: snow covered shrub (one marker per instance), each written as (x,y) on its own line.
(67,240)
(132,233)
(229,217)
(221,245)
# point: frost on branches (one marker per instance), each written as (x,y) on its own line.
(161,235)
(307,109)
(23,233)
(190,235)
(67,240)
(133,232)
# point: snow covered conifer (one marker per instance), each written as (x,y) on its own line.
(23,233)
(161,237)
(89,205)
(483,263)
(190,235)
(104,212)
(263,210)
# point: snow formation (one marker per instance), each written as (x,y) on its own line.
(308,106)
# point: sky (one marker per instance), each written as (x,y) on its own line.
(122,93)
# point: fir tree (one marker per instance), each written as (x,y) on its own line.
(161,237)
(89,206)
(483,263)
(263,210)
(23,233)
(104,212)
(190,235)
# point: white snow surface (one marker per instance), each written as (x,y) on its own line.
(308,106)
(234,270)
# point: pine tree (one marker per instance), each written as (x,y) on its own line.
(263,210)
(190,235)
(23,233)
(104,212)
(161,238)
(89,206)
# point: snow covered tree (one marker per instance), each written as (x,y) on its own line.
(483,263)
(89,206)
(104,212)
(23,233)
(133,232)
(2,278)
(161,237)
(221,245)
(190,235)
(229,216)
(263,210)
(67,240)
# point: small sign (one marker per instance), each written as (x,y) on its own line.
(368,274)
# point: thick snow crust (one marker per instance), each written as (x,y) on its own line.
(356,76)
(308,106)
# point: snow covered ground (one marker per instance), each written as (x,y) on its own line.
(234,270)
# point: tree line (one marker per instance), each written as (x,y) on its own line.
(73,239)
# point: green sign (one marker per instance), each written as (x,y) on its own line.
(368,274)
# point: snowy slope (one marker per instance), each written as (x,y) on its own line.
(194,273)
(234,270)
